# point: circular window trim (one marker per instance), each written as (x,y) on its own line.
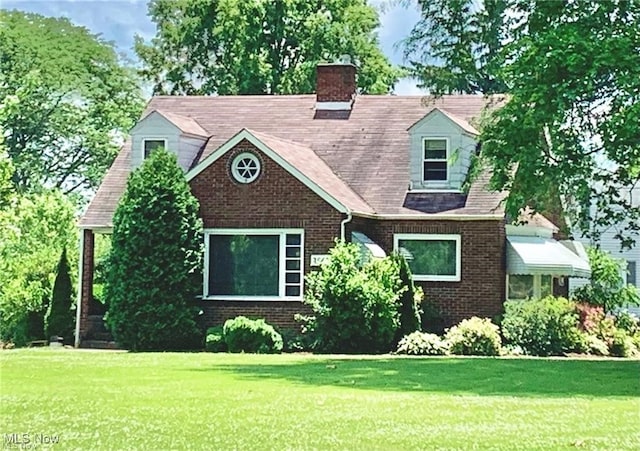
(245,167)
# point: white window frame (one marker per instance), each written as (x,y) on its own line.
(424,160)
(434,237)
(147,138)
(234,167)
(282,233)
(537,286)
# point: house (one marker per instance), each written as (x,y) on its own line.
(284,176)
(609,243)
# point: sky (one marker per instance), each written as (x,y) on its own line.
(120,20)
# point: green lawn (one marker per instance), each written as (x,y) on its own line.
(104,400)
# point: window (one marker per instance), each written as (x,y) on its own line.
(631,273)
(434,160)
(528,286)
(245,167)
(149,145)
(253,264)
(431,257)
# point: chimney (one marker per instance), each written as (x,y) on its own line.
(336,85)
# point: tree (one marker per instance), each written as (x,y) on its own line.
(456,46)
(66,101)
(153,272)
(60,320)
(33,232)
(572,119)
(569,124)
(606,287)
(410,300)
(259,46)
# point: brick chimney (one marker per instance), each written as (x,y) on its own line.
(336,85)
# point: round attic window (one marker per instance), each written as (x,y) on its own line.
(245,167)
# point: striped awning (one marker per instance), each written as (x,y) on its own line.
(544,256)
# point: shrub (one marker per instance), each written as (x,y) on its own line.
(153,271)
(589,317)
(214,341)
(60,319)
(474,336)
(242,334)
(420,343)
(628,322)
(294,341)
(606,287)
(542,327)
(596,346)
(621,345)
(410,299)
(355,305)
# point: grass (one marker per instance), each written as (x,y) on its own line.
(106,400)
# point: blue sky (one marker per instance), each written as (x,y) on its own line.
(120,20)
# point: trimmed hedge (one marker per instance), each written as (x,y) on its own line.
(474,336)
(242,334)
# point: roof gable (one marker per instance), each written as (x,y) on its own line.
(301,162)
(460,123)
(181,124)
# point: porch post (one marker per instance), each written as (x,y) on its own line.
(85,283)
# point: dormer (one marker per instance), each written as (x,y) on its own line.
(441,149)
(181,135)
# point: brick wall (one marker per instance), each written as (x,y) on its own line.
(481,290)
(275,200)
(86,285)
(335,83)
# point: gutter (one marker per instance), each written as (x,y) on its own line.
(344,223)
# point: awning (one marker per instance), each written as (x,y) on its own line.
(367,245)
(544,256)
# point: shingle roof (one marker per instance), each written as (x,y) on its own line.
(368,149)
(186,124)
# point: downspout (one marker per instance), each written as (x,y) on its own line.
(76,342)
(343,225)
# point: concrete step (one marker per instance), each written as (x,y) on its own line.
(99,344)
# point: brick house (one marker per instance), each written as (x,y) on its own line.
(279,178)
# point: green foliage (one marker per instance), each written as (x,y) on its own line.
(6,174)
(153,273)
(242,334)
(294,341)
(542,327)
(628,322)
(572,117)
(64,96)
(355,306)
(420,343)
(410,300)
(259,47)
(606,286)
(456,46)
(622,345)
(474,336)
(214,341)
(60,318)
(596,346)
(32,235)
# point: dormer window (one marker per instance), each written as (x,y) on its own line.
(435,151)
(149,145)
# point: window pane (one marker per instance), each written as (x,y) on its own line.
(293,290)
(244,265)
(435,170)
(152,144)
(631,272)
(430,257)
(292,265)
(435,149)
(520,286)
(292,277)
(294,240)
(293,251)
(546,286)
